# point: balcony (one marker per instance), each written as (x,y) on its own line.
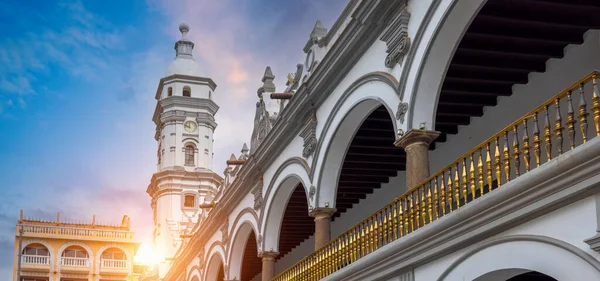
(75,262)
(35,260)
(79,233)
(554,128)
(114,266)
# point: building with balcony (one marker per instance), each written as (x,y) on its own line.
(61,251)
(418,140)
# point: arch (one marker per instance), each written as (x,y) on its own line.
(244,225)
(358,101)
(215,262)
(43,243)
(187,91)
(445,27)
(113,246)
(194,274)
(290,173)
(555,258)
(79,244)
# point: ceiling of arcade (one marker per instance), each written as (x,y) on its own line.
(505,42)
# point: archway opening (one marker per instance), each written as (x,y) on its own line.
(504,43)
(215,270)
(251,263)
(296,225)
(35,254)
(370,160)
(221,273)
(532,276)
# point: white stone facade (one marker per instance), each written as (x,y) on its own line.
(538,222)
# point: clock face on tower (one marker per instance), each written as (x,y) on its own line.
(190,126)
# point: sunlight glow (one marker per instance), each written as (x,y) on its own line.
(147,255)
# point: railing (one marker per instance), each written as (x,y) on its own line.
(512,152)
(113,264)
(82,262)
(79,232)
(33,259)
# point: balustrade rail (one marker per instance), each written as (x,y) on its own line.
(79,232)
(558,125)
(114,264)
(33,259)
(82,262)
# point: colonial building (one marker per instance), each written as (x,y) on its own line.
(418,140)
(64,251)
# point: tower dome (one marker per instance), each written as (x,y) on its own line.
(184,63)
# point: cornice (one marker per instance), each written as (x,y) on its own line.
(185,78)
(162,108)
(152,189)
(368,22)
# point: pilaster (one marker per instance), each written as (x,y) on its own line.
(322,225)
(416,144)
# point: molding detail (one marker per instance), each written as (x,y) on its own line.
(402,109)
(396,39)
(311,192)
(258,197)
(309,134)
(225,232)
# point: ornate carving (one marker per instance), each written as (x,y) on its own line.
(309,134)
(402,109)
(311,192)
(260,240)
(396,39)
(225,232)
(258,197)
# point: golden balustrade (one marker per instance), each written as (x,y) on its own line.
(498,160)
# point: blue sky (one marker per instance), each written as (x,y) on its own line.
(77,85)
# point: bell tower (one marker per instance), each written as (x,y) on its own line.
(184,118)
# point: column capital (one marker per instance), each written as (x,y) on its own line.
(322,212)
(268,255)
(415,136)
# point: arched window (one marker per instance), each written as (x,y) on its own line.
(187,92)
(35,254)
(113,258)
(189,201)
(170,91)
(209,95)
(75,256)
(189,154)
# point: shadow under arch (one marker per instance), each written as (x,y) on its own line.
(244,263)
(215,269)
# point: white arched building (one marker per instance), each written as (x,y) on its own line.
(419,140)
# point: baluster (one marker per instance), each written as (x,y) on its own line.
(506,157)
(401,217)
(488,167)
(558,128)
(450,190)
(443,194)
(417,209)
(423,205)
(498,162)
(465,180)
(480,171)
(384,226)
(411,210)
(526,156)
(547,134)
(583,114)
(407,216)
(395,216)
(436,201)
(536,140)
(429,206)
(472,177)
(570,120)
(516,151)
(457,185)
(596,104)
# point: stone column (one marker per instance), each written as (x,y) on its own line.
(268,265)
(322,225)
(416,144)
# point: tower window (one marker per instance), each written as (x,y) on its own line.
(187,92)
(170,91)
(209,94)
(189,201)
(189,154)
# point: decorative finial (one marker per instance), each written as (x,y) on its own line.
(184,28)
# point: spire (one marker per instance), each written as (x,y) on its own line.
(267,80)
(184,47)
(318,31)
